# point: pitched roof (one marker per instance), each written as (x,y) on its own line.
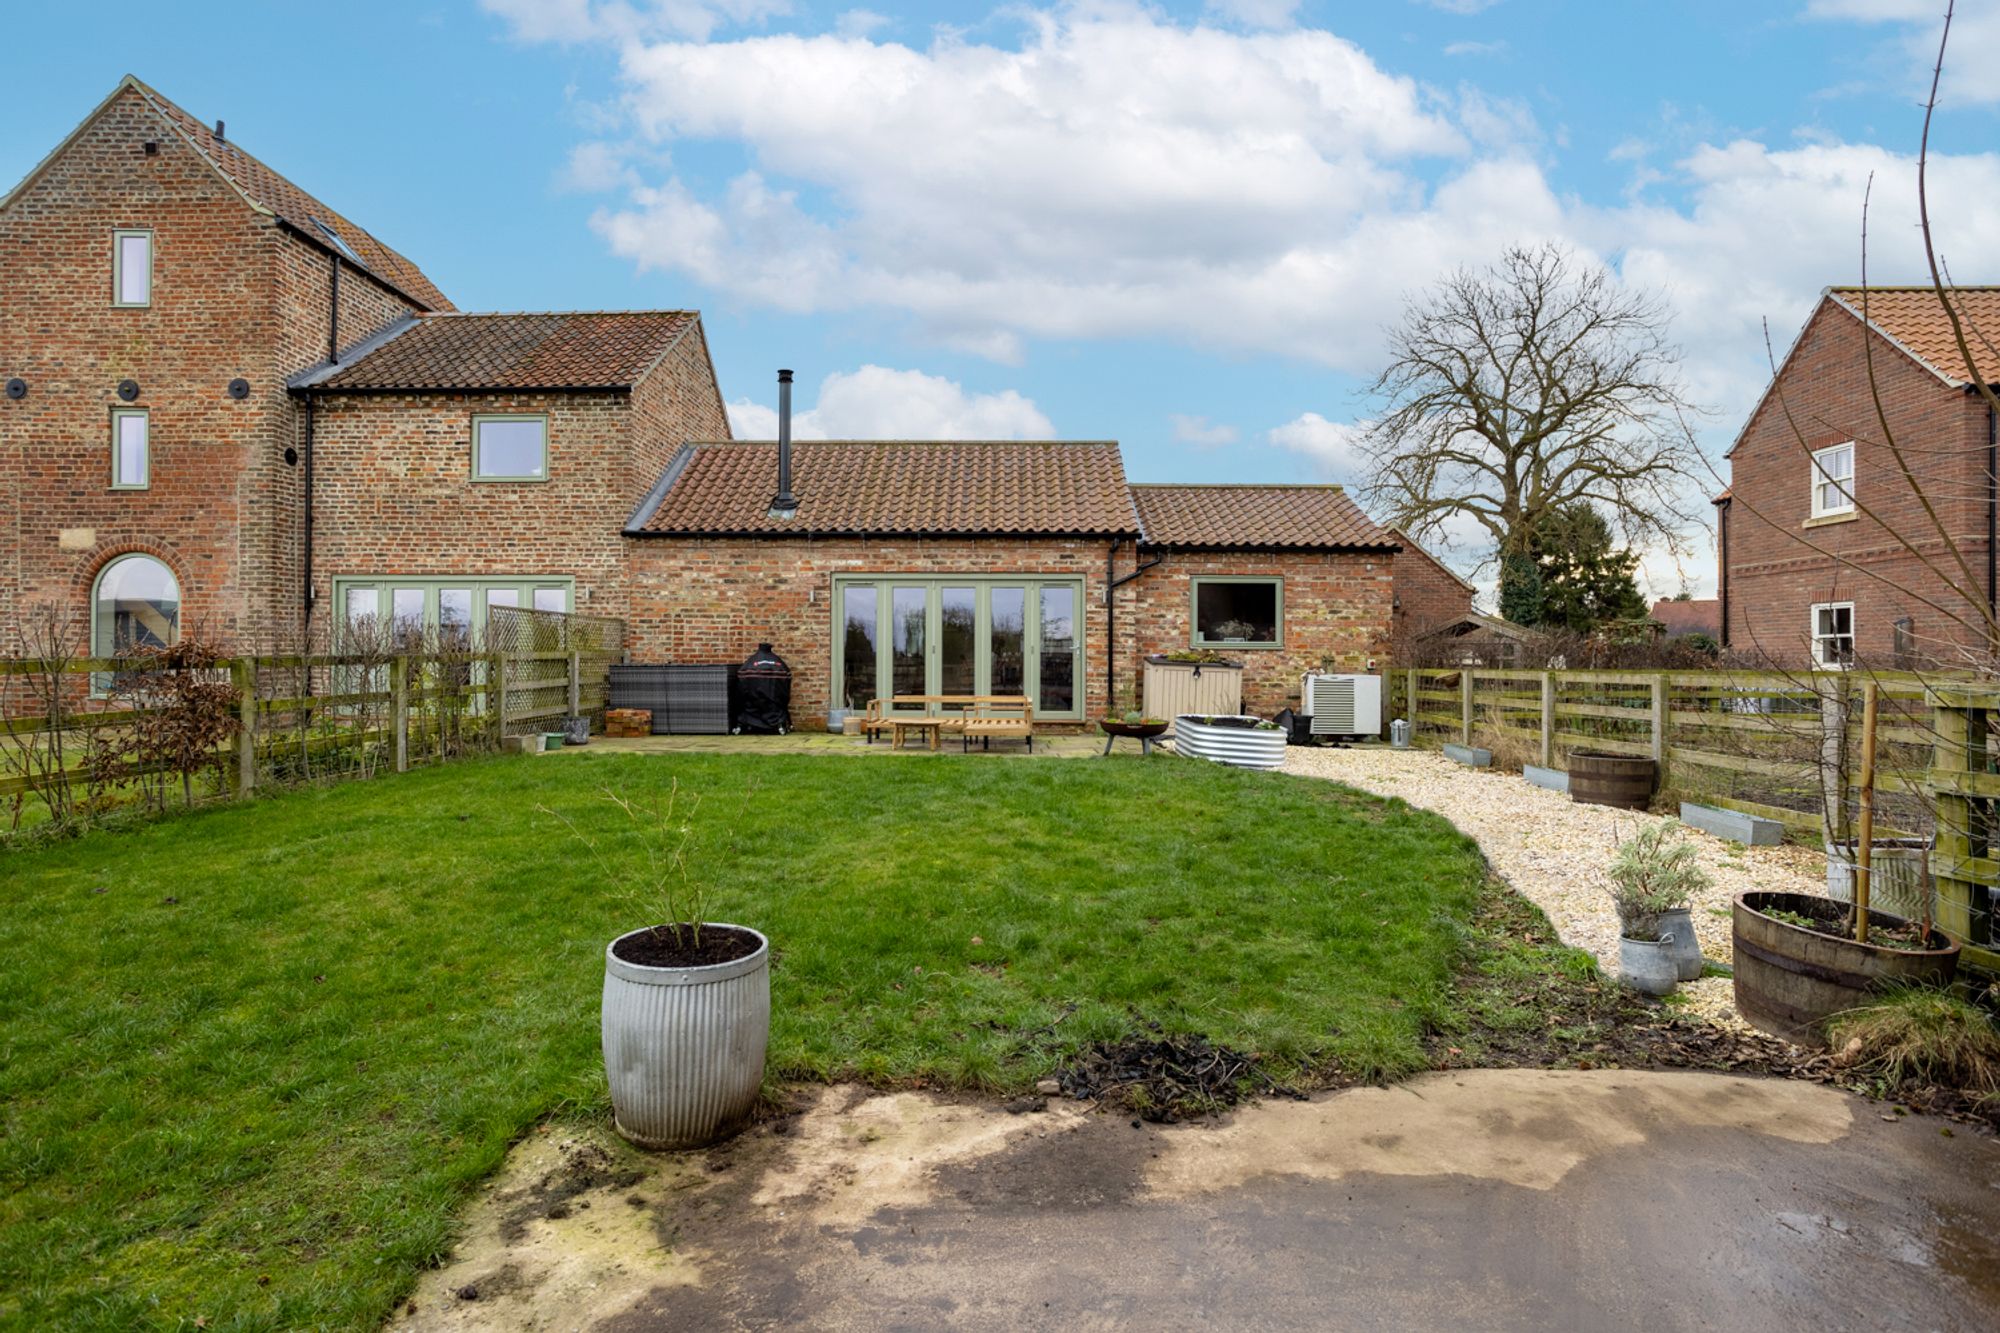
(1915,320)
(1687,617)
(880,488)
(1305,517)
(508,350)
(268,192)
(1410,547)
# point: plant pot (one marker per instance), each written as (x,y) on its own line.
(552,740)
(1677,927)
(576,731)
(1472,756)
(1790,980)
(1622,781)
(684,1046)
(1896,878)
(1136,730)
(1234,740)
(1648,966)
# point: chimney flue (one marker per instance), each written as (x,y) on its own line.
(785,504)
(218,133)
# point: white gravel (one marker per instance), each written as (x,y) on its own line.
(1557,853)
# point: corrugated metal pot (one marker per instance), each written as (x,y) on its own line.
(684,1046)
(1244,747)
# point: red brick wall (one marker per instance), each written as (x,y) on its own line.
(715,600)
(1427,595)
(232,297)
(1336,606)
(1774,577)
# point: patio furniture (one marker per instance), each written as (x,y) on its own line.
(879,717)
(928,727)
(1008,716)
(1143,732)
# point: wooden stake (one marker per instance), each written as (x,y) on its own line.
(1865,824)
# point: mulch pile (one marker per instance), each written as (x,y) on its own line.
(1164,1078)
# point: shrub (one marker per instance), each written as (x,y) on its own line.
(1654,872)
(1923,1035)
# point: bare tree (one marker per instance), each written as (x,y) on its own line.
(1538,383)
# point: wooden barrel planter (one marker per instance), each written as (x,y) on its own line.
(1790,980)
(1622,780)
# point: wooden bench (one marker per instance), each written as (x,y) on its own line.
(983,715)
(1008,716)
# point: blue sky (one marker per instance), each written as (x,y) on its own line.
(1181,226)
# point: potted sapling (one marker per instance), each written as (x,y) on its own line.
(1654,878)
(686,1013)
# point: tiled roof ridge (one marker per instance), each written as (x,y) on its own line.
(909,444)
(1237,485)
(663,311)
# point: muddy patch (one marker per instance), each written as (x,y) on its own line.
(565,1235)
(1522,1127)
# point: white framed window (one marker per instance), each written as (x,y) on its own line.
(1833,634)
(131,449)
(1833,480)
(132,268)
(510,448)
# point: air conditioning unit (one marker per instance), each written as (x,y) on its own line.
(1342,705)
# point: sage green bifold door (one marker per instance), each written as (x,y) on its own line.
(967,634)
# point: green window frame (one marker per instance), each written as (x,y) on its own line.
(982,586)
(1196,584)
(118,266)
(122,476)
(484,419)
(386,587)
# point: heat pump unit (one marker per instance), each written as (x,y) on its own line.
(1342,705)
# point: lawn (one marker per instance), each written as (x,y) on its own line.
(254,1057)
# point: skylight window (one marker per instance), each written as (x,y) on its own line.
(338,243)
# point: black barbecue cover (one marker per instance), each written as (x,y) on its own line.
(764,694)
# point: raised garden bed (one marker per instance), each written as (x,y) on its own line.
(1245,742)
(1554,779)
(1750,830)
(1469,755)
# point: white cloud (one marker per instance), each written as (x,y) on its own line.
(1975,44)
(592,20)
(1255,13)
(1201,432)
(859,22)
(595,167)
(877,403)
(1462,6)
(1475,49)
(1332,446)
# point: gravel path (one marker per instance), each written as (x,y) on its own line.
(1557,853)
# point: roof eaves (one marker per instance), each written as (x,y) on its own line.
(312,376)
(321,244)
(851,533)
(365,390)
(650,504)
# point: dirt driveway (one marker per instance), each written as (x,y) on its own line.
(1487,1199)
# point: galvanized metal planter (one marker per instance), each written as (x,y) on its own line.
(1243,745)
(1472,756)
(684,1046)
(1790,980)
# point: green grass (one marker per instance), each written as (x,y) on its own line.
(254,1057)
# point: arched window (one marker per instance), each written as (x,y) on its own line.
(136,605)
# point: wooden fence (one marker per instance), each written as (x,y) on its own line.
(308,717)
(1781,745)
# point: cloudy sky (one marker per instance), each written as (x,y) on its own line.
(1178,225)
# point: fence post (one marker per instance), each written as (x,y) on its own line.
(1660,730)
(1465,706)
(575,684)
(1958,750)
(243,675)
(1410,690)
(399,687)
(1548,719)
(496,697)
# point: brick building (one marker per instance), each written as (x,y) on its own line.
(229,404)
(1827,553)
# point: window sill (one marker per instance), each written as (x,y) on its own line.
(1828,520)
(516,481)
(1212,645)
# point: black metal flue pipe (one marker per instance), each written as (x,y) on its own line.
(785,502)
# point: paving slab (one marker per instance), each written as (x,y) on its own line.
(1491,1199)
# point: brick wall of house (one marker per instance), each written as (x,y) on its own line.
(210,321)
(1427,594)
(1336,609)
(1774,577)
(393,493)
(233,296)
(679,401)
(714,600)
